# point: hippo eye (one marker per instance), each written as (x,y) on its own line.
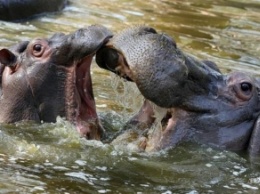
(244,90)
(37,50)
(246,87)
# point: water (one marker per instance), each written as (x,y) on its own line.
(52,158)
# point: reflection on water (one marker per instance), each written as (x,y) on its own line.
(52,158)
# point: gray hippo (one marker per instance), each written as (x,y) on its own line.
(45,78)
(196,102)
(13,10)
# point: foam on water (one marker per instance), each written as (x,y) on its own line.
(46,141)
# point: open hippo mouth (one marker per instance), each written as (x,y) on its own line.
(196,101)
(85,114)
(80,103)
(121,59)
(45,78)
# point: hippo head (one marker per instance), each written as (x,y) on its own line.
(199,102)
(45,78)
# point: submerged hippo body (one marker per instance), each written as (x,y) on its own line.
(13,10)
(45,78)
(196,101)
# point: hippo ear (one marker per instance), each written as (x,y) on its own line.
(7,57)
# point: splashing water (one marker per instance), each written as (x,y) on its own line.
(127,94)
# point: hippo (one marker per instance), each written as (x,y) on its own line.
(50,77)
(15,10)
(189,99)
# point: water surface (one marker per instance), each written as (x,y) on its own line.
(52,158)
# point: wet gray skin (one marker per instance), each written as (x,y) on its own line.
(198,102)
(45,78)
(15,10)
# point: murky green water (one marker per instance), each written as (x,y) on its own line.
(51,158)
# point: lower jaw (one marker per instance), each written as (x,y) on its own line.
(90,129)
(158,138)
(151,140)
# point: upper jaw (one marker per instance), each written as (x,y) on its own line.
(87,121)
(113,56)
(113,60)
(84,44)
(80,107)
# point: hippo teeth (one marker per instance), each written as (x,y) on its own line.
(165,131)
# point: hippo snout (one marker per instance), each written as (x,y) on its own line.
(200,103)
(49,77)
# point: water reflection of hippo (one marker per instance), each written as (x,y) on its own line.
(198,102)
(17,10)
(46,78)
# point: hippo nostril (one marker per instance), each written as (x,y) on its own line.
(151,30)
(107,58)
(246,87)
